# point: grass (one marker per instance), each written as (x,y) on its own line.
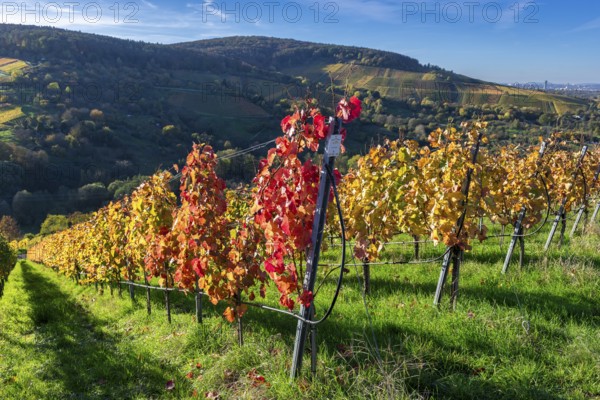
(231,106)
(9,65)
(6,136)
(9,114)
(6,61)
(532,334)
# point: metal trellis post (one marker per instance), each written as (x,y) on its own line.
(583,208)
(332,149)
(561,211)
(367,276)
(518,232)
(455,253)
(595,214)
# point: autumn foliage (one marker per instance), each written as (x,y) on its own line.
(231,243)
(400,187)
(226,243)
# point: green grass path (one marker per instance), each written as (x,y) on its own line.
(52,346)
(532,334)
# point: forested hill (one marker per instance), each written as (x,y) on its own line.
(36,44)
(274,53)
(82,115)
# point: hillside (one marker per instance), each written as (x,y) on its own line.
(442,86)
(394,76)
(279,54)
(80,114)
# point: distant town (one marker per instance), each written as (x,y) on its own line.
(577,89)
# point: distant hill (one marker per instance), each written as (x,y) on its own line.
(277,54)
(394,76)
(66,47)
(80,111)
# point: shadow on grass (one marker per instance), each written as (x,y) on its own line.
(571,305)
(447,373)
(84,357)
(534,254)
(447,376)
(181,303)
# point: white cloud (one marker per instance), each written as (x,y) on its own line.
(138,21)
(588,26)
(150,5)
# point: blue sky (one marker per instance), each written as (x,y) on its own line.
(500,41)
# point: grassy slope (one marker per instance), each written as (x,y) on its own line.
(60,340)
(401,85)
(9,114)
(6,135)
(9,65)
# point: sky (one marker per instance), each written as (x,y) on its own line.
(502,41)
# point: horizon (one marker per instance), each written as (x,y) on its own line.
(491,41)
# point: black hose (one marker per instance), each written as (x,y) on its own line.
(548,212)
(341,277)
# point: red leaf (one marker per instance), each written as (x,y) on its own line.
(199,266)
(349,110)
(257,379)
(285,124)
(287,302)
(343,132)
(278,267)
(319,126)
(285,225)
(355,108)
(306,298)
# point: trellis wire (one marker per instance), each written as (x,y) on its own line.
(341,266)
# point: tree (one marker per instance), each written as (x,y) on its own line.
(11,177)
(8,259)
(54,223)
(170,130)
(97,115)
(9,228)
(4,208)
(29,208)
(121,188)
(546,119)
(54,86)
(78,217)
(92,195)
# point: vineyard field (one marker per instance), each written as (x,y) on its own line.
(529,334)
(402,85)
(9,65)
(6,136)
(9,114)
(499,341)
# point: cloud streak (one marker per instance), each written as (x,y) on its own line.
(588,26)
(144,20)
